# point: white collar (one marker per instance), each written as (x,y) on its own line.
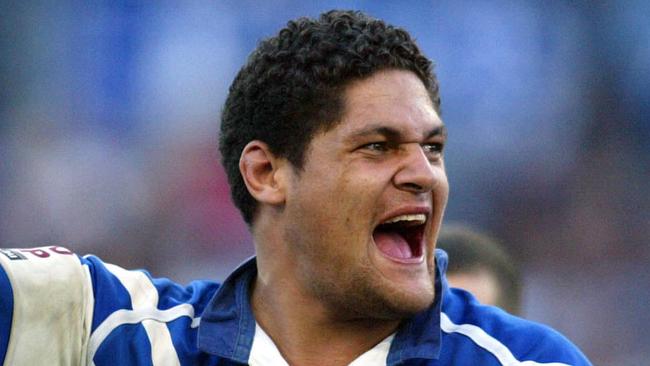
(264,352)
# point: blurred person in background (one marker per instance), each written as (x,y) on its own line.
(333,144)
(482,266)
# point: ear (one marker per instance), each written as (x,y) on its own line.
(263,173)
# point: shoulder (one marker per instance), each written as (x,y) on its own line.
(134,310)
(118,289)
(471,328)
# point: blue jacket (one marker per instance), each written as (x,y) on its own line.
(57,308)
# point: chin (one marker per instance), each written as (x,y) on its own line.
(397,303)
(406,296)
(366,293)
(408,304)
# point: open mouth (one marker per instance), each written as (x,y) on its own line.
(400,238)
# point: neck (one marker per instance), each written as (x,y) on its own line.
(302,326)
(305,332)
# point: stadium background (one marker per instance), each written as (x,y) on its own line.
(109,117)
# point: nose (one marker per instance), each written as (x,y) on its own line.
(416,173)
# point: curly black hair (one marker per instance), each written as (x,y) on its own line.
(292,86)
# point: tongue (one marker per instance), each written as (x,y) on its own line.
(393,244)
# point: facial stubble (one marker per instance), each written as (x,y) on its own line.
(357,291)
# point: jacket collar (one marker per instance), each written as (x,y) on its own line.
(227,325)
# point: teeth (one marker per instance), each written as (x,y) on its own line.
(419,218)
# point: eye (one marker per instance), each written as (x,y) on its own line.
(433,148)
(376,146)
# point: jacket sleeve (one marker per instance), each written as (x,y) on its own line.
(46,305)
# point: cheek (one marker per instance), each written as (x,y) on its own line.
(349,212)
(441,188)
(323,205)
(340,205)
(360,198)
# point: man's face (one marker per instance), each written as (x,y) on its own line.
(363,214)
(482,283)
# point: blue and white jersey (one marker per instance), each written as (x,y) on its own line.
(57,308)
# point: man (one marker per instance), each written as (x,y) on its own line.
(332,141)
(480,265)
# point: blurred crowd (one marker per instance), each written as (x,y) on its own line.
(109,114)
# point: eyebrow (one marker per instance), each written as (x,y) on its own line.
(393,133)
